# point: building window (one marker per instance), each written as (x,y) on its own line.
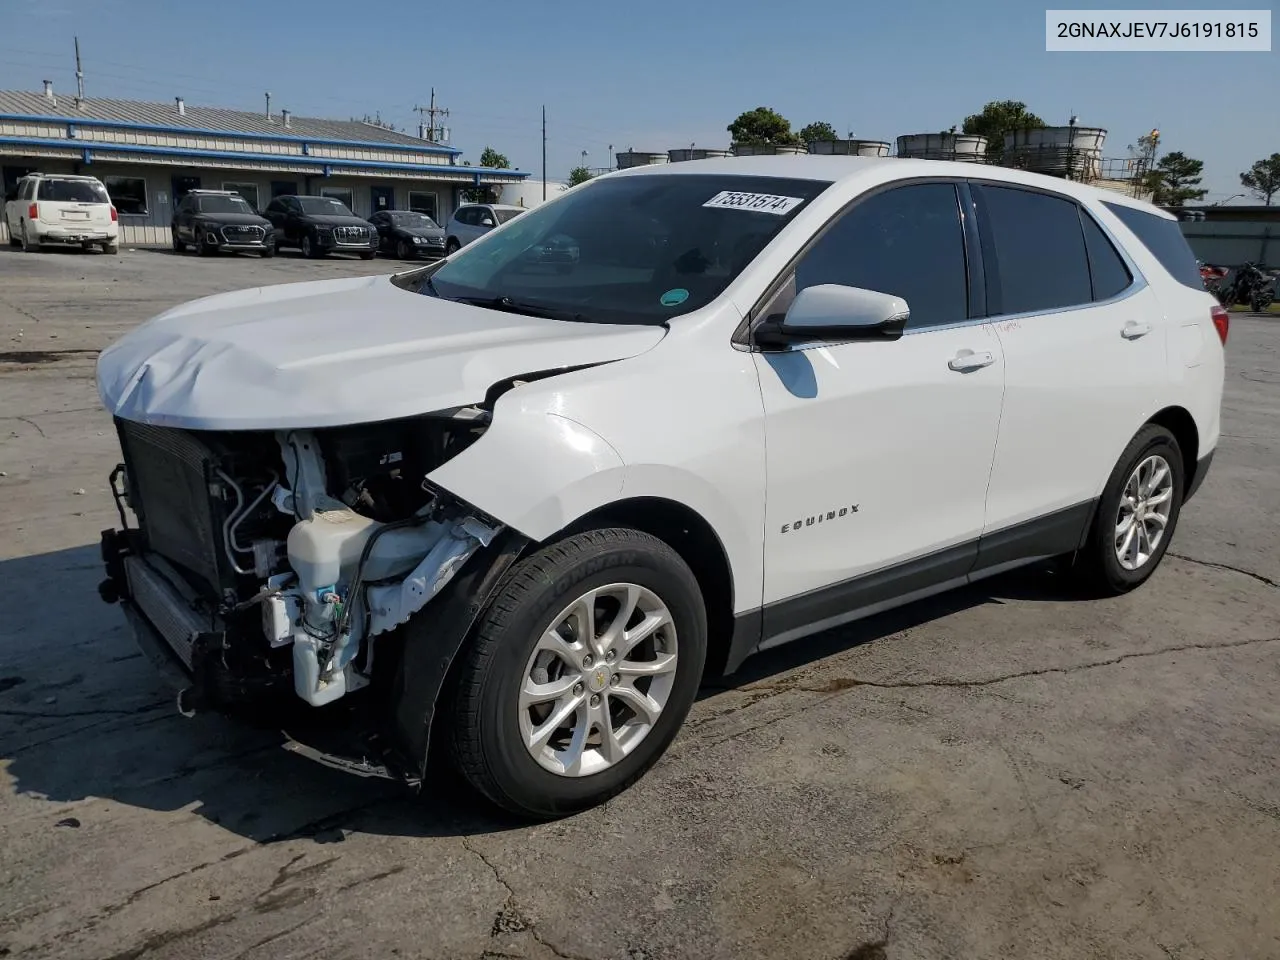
(422,202)
(247,190)
(343,194)
(129,194)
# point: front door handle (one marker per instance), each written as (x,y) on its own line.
(1135,329)
(967,360)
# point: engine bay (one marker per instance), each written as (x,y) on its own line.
(294,549)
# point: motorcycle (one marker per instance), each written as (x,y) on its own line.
(1211,276)
(1250,286)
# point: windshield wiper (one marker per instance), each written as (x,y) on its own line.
(507,305)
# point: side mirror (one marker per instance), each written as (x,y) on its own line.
(486,222)
(830,311)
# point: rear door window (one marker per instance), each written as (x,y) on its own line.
(1165,241)
(1033,250)
(1108,272)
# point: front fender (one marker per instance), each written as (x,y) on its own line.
(534,471)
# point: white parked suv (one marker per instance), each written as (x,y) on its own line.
(473,220)
(521,507)
(62,209)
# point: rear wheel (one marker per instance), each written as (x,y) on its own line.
(111,248)
(580,674)
(29,245)
(1136,515)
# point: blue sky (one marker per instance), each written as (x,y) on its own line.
(652,75)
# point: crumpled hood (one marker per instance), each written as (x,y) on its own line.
(334,352)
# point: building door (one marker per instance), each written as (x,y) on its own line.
(283,188)
(180,187)
(381,198)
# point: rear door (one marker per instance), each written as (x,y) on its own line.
(1084,350)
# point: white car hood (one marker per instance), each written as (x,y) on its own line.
(333,352)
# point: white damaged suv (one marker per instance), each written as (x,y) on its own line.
(518,504)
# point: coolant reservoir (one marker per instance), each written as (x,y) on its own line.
(325,550)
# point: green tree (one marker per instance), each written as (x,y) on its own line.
(818,130)
(579,175)
(998,118)
(1263,178)
(488,158)
(1175,180)
(492,158)
(761,125)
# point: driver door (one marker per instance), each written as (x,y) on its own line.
(879,452)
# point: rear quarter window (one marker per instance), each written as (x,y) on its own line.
(1165,241)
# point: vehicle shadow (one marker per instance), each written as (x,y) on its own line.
(84,715)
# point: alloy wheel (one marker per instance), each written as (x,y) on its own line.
(1143,515)
(598,679)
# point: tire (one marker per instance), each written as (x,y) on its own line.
(452,246)
(369,255)
(487,721)
(202,246)
(1098,566)
(112,249)
(268,252)
(28,246)
(402,250)
(310,249)
(178,245)
(1260,302)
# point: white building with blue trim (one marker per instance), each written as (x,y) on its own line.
(149,154)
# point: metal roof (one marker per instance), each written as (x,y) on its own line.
(150,114)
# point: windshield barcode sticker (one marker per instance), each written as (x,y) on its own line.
(757,202)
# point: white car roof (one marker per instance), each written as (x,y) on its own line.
(837,169)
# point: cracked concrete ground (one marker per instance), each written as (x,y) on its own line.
(1001,772)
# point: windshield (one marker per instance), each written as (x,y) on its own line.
(324,206)
(72,191)
(505,215)
(223,205)
(631,249)
(405,219)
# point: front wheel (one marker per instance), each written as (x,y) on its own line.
(581,671)
(310,249)
(268,251)
(178,245)
(1136,515)
(368,255)
(452,246)
(402,250)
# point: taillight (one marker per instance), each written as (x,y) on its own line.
(33,213)
(114,216)
(1221,321)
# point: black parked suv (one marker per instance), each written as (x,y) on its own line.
(220,220)
(321,225)
(408,235)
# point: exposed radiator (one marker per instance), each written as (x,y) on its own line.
(168,473)
(166,609)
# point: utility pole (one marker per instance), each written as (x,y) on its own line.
(79,76)
(432,131)
(544,152)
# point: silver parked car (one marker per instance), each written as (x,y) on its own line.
(473,220)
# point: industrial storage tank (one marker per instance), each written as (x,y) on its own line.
(964,147)
(767,149)
(690,153)
(1057,151)
(851,148)
(639,158)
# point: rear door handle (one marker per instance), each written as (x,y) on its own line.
(1134,329)
(967,360)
